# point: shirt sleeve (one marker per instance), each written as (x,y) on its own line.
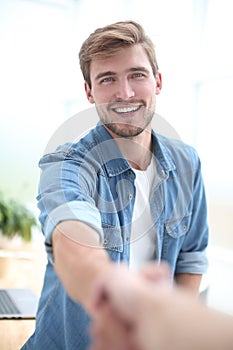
(66,193)
(193,257)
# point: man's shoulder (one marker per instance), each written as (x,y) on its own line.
(176,150)
(78,147)
(83,142)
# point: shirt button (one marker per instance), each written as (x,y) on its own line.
(130,196)
(129,172)
(105,241)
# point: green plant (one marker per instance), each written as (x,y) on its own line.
(15,219)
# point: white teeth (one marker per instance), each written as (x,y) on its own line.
(126,109)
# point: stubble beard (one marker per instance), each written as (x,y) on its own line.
(126,129)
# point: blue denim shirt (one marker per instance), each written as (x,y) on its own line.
(91,181)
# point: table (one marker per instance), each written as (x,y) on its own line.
(26,265)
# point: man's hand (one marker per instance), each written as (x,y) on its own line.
(111,332)
(115,325)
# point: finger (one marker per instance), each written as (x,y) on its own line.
(156,273)
(103,286)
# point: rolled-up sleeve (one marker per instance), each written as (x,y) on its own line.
(65,193)
(192,256)
(81,211)
(192,262)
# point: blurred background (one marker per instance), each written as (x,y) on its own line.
(41,87)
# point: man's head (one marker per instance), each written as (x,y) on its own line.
(121,77)
(106,41)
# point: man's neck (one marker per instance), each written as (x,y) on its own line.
(137,149)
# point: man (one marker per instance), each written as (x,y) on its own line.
(121,187)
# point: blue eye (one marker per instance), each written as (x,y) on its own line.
(106,80)
(138,75)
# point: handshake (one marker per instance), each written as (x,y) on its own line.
(143,311)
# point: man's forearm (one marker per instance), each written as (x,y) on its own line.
(78,258)
(191,282)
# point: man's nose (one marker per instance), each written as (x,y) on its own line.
(124,90)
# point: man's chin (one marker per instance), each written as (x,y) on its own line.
(124,130)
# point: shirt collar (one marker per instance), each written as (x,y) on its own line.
(162,152)
(112,158)
(114,161)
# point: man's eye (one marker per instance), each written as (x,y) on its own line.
(106,80)
(138,75)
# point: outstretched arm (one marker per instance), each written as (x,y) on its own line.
(78,258)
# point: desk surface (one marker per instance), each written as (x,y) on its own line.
(14,333)
(26,265)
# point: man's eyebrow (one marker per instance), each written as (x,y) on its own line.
(104,74)
(138,68)
(132,69)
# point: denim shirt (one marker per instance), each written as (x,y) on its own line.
(91,181)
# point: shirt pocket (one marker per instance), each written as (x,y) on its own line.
(179,226)
(112,238)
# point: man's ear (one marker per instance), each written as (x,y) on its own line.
(88,93)
(158,83)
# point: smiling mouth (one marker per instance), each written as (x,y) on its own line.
(126,109)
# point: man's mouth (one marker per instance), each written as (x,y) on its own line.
(126,109)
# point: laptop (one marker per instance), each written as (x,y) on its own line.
(19,303)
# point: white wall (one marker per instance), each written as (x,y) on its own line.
(41,85)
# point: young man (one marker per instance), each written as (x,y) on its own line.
(121,187)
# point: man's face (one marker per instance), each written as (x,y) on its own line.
(124,91)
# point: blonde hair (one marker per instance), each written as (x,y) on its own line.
(105,42)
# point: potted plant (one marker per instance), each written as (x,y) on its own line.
(16,220)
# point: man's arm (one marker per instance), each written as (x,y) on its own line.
(190,282)
(78,258)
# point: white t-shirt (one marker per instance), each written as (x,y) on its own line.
(143,237)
